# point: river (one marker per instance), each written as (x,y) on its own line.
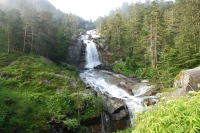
(108,83)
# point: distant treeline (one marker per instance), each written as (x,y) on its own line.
(35,26)
(155,40)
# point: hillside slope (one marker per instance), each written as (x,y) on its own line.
(38,96)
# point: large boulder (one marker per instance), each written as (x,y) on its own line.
(116,108)
(103,67)
(104,55)
(123,114)
(187,80)
(113,105)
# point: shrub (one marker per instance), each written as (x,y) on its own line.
(176,116)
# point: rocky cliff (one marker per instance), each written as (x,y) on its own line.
(76,54)
(104,54)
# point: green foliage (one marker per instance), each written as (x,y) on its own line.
(128,130)
(71,123)
(126,68)
(34,90)
(155,41)
(41,29)
(6,59)
(180,115)
(129,68)
(94,107)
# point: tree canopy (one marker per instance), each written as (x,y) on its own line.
(155,40)
(36,26)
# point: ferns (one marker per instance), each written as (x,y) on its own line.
(178,116)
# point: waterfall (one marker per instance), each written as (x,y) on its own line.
(92,56)
(101,81)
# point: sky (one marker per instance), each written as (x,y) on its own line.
(88,9)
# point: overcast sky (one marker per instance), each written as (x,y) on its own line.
(88,9)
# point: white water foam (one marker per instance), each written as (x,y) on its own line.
(99,81)
(92,56)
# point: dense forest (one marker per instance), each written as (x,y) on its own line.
(36,95)
(154,40)
(36,26)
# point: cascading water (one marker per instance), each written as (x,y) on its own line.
(92,56)
(100,80)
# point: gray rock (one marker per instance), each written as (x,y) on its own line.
(179,92)
(113,105)
(187,80)
(102,40)
(101,45)
(121,115)
(122,84)
(76,54)
(105,48)
(152,102)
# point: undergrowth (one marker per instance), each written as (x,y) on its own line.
(181,115)
(34,90)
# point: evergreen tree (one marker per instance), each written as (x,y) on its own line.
(3,37)
(14,30)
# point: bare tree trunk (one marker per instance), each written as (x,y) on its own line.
(31,39)
(194,29)
(8,43)
(151,41)
(155,48)
(25,38)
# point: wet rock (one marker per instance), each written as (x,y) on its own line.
(133,80)
(122,84)
(128,84)
(119,125)
(152,102)
(126,87)
(143,89)
(123,114)
(103,67)
(113,105)
(76,54)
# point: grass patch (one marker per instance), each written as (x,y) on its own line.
(6,59)
(33,90)
(168,90)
